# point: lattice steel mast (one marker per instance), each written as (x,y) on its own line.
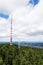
(11,32)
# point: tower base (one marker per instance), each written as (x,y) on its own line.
(10,43)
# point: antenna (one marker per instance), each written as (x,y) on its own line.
(11,32)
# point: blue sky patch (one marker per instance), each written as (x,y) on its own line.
(34,2)
(4,15)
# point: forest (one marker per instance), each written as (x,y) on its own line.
(12,55)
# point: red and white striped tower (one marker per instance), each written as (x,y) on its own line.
(11,32)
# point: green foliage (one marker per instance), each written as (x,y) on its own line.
(11,55)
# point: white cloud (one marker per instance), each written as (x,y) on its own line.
(26,20)
(7,6)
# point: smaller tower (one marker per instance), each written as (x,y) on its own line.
(11,32)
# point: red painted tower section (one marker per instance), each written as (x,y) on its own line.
(11,33)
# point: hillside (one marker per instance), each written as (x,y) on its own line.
(11,55)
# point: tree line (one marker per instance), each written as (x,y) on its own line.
(12,55)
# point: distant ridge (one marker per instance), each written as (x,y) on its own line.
(23,43)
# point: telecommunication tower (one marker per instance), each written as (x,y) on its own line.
(11,32)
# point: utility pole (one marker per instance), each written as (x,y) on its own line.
(11,32)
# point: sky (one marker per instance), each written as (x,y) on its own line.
(27,20)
